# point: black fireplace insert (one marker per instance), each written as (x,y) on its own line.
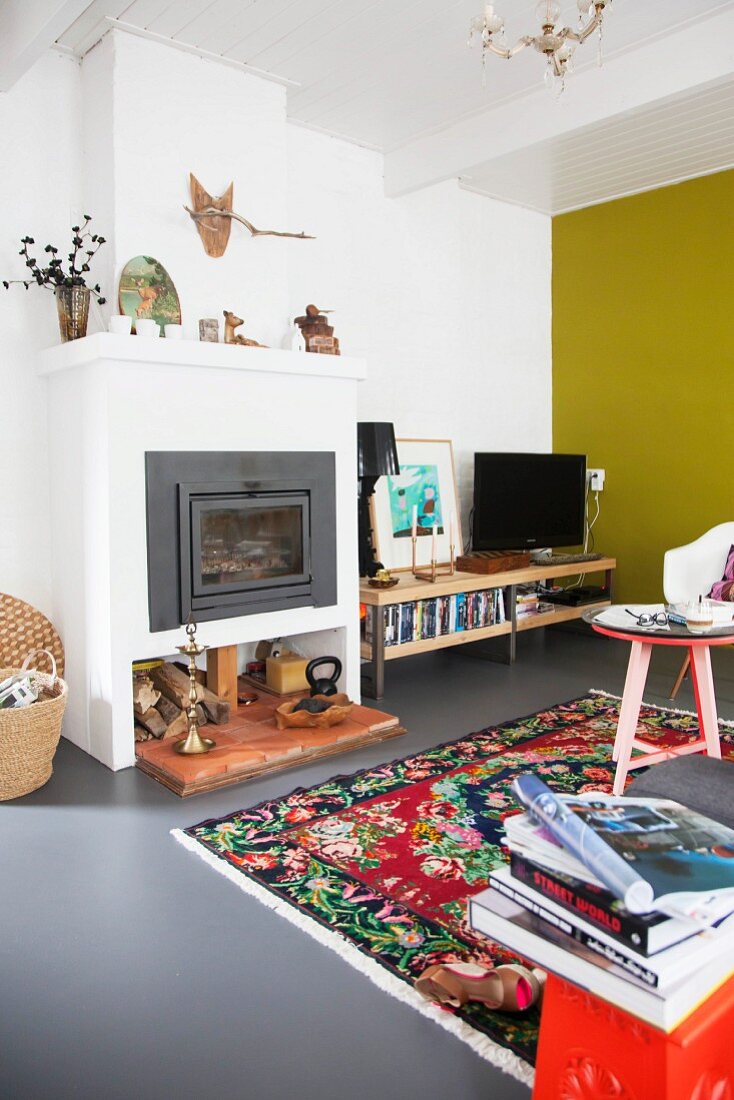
(238,533)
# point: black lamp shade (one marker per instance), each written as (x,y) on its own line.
(377,452)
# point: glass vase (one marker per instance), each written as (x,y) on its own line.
(72,303)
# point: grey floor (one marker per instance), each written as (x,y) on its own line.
(117,979)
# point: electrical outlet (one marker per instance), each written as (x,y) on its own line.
(596,480)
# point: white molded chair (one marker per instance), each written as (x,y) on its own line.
(690,571)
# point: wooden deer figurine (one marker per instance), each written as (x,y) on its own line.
(232,322)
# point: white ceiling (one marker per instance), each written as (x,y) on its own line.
(389,73)
(685,136)
(378,72)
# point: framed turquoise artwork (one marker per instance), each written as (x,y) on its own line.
(422,497)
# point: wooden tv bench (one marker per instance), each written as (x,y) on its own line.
(410,590)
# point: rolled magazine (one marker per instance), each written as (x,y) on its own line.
(570,831)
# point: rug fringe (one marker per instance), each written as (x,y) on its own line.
(486,1048)
(659,706)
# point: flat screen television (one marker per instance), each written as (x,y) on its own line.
(522,501)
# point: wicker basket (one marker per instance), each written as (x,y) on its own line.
(23,628)
(29,735)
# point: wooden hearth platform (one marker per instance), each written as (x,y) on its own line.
(250,745)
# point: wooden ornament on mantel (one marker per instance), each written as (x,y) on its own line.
(318,334)
(213,216)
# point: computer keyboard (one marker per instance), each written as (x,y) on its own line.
(567,559)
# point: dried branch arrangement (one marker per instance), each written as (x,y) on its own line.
(213,216)
(85,246)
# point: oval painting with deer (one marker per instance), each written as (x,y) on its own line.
(147,291)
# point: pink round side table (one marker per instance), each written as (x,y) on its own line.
(642,641)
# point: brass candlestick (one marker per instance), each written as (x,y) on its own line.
(436,570)
(193,743)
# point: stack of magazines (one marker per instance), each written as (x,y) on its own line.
(629,898)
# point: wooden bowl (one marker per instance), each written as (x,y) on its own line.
(373,582)
(340,709)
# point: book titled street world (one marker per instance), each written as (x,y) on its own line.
(646,933)
(659,971)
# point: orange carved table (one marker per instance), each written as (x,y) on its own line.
(592,1050)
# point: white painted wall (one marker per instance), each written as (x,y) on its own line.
(447,295)
(39,187)
(444,292)
(154,114)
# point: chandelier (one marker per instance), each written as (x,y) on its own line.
(557,44)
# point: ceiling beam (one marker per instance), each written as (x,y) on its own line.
(637,77)
(27,29)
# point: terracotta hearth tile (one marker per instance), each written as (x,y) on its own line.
(314,738)
(256,712)
(241,758)
(162,750)
(236,721)
(252,730)
(348,729)
(227,758)
(273,745)
(243,716)
(190,768)
(373,719)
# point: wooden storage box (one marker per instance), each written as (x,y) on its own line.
(493,561)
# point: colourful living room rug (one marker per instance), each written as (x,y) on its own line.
(378,865)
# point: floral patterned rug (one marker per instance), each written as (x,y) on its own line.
(378,865)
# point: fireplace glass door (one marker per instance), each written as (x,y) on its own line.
(249,541)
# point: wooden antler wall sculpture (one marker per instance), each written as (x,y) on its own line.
(213,217)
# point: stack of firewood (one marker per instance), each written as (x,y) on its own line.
(161,700)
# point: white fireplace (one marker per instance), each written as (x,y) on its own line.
(113,399)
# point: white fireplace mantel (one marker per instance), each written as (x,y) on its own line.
(110,347)
(111,399)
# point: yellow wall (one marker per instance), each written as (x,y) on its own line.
(643,366)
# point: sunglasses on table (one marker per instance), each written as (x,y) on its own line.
(658,618)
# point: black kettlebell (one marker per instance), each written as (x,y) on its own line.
(324,685)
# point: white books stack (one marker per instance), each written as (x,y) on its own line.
(508,923)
